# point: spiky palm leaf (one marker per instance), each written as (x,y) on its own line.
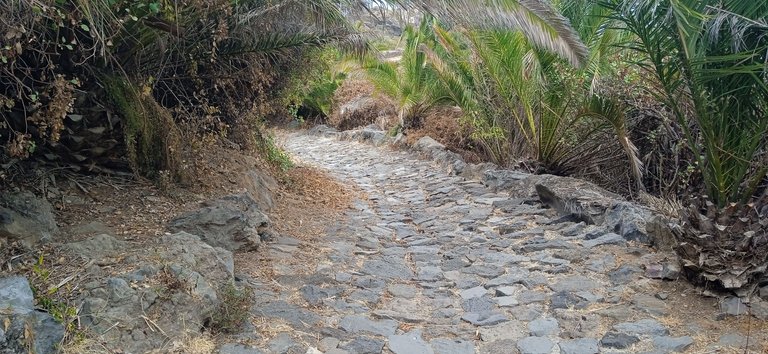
(709,58)
(537,19)
(411,83)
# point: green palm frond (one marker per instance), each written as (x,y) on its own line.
(709,58)
(537,19)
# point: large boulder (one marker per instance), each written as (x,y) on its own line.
(370,134)
(170,294)
(26,219)
(235,223)
(22,328)
(575,197)
(261,187)
(520,184)
(452,162)
(594,205)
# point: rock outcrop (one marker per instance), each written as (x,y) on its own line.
(26,219)
(22,328)
(165,295)
(235,223)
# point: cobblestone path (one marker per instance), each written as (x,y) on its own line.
(431,263)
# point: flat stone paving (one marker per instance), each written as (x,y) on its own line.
(431,264)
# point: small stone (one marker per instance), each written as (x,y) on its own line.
(366,283)
(618,340)
(430,273)
(544,327)
(624,274)
(343,277)
(665,271)
(357,324)
(452,346)
(672,344)
(662,296)
(478,304)
(759,309)
(566,300)
(388,269)
(506,301)
(484,319)
(535,345)
(528,297)
(574,283)
(580,346)
(604,240)
(402,291)
(733,306)
(732,340)
(642,327)
(234,348)
(509,290)
(473,292)
(364,345)
(506,346)
(16,295)
(650,305)
(409,343)
(338,351)
(282,343)
(328,343)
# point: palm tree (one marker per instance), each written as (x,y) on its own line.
(709,59)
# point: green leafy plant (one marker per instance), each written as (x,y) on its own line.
(273,153)
(411,83)
(708,58)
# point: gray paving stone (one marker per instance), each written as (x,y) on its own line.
(506,301)
(473,292)
(506,346)
(580,346)
(409,343)
(403,291)
(575,283)
(604,240)
(649,327)
(328,343)
(478,304)
(238,349)
(452,346)
(625,274)
(672,344)
(485,318)
(292,314)
(529,296)
(388,269)
(535,345)
(363,345)
(361,324)
(618,340)
(541,327)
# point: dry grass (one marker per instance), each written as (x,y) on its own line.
(382,112)
(443,124)
(308,202)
